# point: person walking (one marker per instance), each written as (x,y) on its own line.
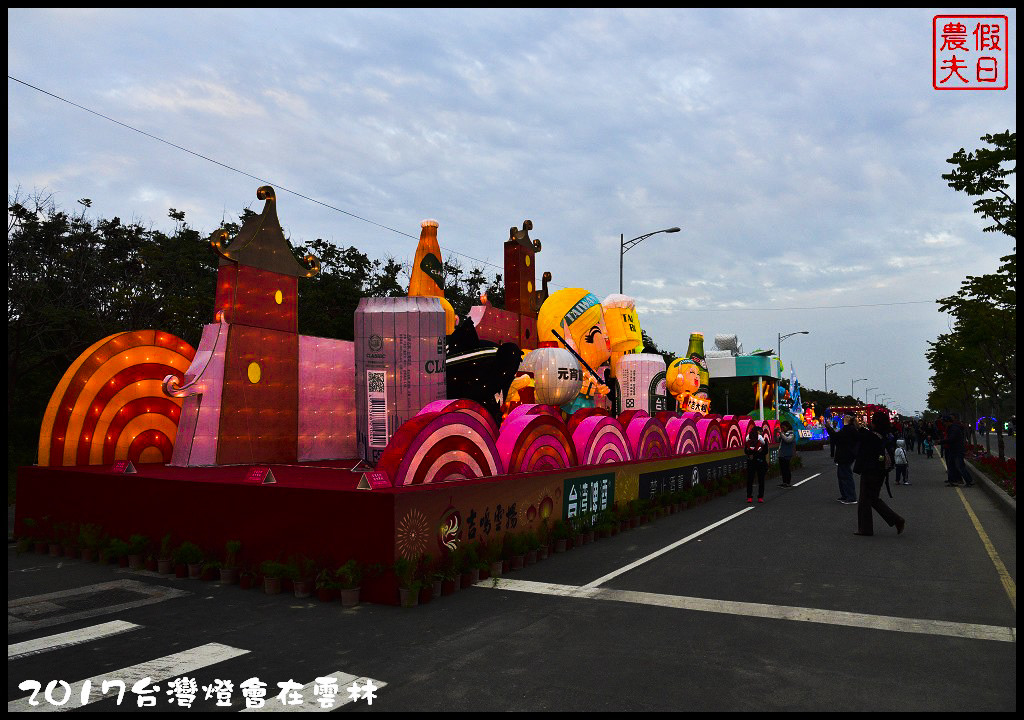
(787,448)
(756,450)
(872,461)
(953,447)
(829,428)
(902,464)
(846,453)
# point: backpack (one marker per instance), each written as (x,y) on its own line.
(901,456)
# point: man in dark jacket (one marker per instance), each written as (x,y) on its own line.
(953,444)
(846,453)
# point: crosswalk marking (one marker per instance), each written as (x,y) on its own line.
(66,639)
(311,703)
(762,610)
(170,666)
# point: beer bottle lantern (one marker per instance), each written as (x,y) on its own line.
(557,375)
(695,352)
(427,278)
(624,334)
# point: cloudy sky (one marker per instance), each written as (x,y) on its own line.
(800,151)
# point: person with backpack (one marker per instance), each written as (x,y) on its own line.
(872,464)
(902,464)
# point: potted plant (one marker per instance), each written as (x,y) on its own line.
(301,572)
(164,559)
(273,573)
(327,585)
(470,561)
(246,579)
(350,579)
(544,536)
(191,556)
(37,544)
(117,552)
(450,571)
(89,537)
(408,586)
(229,571)
(137,545)
(210,570)
(423,573)
(562,534)
(493,557)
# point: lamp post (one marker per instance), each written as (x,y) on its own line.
(851,386)
(866,391)
(778,360)
(625,245)
(827,366)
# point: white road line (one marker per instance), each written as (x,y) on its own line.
(310,703)
(170,666)
(66,639)
(605,578)
(806,479)
(775,612)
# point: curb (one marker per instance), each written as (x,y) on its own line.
(1006,503)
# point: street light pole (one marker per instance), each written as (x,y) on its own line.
(827,366)
(851,386)
(778,361)
(866,391)
(625,245)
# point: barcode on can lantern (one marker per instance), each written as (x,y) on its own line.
(377,404)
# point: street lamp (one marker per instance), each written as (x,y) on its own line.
(866,391)
(827,366)
(625,245)
(778,360)
(851,386)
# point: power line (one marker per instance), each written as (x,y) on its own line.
(264,181)
(810,307)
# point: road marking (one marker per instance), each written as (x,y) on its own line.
(63,640)
(605,578)
(311,704)
(1004,576)
(774,612)
(170,666)
(806,479)
(24,614)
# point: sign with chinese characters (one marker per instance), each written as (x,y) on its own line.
(657,483)
(587,495)
(124,467)
(261,476)
(970,52)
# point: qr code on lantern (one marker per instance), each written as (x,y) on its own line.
(970,52)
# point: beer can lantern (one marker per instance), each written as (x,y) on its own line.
(557,376)
(642,383)
(399,366)
(624,334)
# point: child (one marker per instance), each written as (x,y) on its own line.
(902,465)
(927,445)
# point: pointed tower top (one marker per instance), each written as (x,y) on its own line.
(261,243)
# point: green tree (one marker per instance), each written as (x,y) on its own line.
(983,174)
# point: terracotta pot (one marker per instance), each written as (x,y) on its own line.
(302,588)
(326,594)
(531,557)
(518,561)
(228,576)
(449,586)
(272,586)
(425,595)
(350,597)
(560,546)
(542,554)
(135,562)
(407,598)
(88,555)
(435,588)
(195,571)
(496,568)
(164,567)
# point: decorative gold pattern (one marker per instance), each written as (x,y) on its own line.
(412,535)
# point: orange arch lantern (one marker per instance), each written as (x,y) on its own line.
(110,406)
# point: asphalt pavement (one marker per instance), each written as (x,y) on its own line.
(722,607)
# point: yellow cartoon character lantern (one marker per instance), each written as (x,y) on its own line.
(577,317)
(682,379)
(427,279)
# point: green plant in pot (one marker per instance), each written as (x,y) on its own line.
(273,574)
(189,555)
(165,556)
(350,579)
(89,538)
(327,585)
(117,552)
(229,571)
(137,546)
(408,585)
(469,565)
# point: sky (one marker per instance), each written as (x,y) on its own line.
(800,151)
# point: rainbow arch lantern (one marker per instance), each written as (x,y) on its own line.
(109,406)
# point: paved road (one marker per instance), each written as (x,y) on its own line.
(779,607)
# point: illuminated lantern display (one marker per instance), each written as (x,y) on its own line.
(557,375)
(400,366)
(624,334)
(109,406)
(479,370)
(574,316)
(683,435)
(682,379)
(647,437)
(600,439)
(642,384)
(711,437)
(327,402)
(427,278)
(521,294)
(534,443)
